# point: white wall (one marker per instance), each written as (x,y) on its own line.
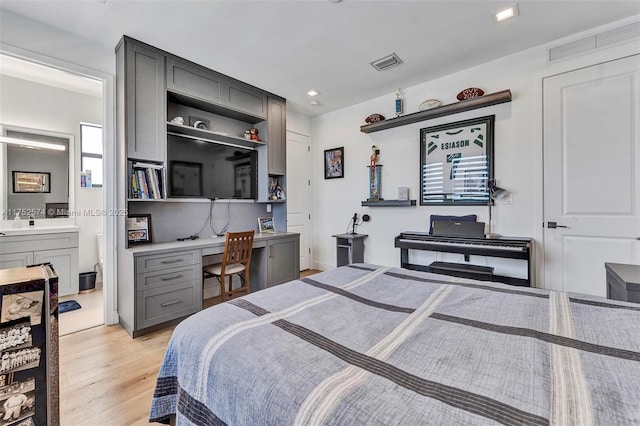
(518,155)
(27,104)
(298,123)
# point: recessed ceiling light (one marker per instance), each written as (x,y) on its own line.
(313,93)
(506,13)
(315,103)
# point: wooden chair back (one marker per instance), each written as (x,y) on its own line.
(237,249)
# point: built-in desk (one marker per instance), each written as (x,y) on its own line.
(162,282)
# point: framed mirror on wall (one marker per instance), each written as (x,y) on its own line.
(37,167)
(456,161)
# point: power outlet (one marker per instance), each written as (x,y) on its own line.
(268,208)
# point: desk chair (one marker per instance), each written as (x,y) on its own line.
(235,260)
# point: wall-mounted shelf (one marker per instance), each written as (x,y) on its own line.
(467,105)
(389,203)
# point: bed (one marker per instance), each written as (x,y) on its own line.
(371,345)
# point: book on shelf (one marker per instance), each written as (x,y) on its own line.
(146,181)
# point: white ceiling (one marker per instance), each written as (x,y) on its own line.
(290,47)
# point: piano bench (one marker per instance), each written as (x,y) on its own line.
(462,270)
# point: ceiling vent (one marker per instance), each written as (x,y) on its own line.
(387,62)
(607,38)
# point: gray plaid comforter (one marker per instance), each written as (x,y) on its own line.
(369,345)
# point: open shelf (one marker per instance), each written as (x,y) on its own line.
(389,203)
(208,135)
(461,106)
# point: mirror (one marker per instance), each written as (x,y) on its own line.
(30,158)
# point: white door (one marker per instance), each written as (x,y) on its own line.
(591,173)
(299,193)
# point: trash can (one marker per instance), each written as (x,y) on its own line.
(87,282)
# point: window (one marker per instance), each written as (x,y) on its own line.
(91,147)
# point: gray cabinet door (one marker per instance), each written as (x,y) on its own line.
(194,80)
(276,137)
(65,263)
(284,260)
(245,98)
(146,106)
(15,260)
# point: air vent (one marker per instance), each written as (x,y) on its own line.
(387,62)
(607,38)
(573,48)
(628,32)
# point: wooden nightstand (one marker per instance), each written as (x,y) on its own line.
(623,282)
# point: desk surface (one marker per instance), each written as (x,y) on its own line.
(259,240)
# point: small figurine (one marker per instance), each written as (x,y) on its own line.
(247,135)
(254,134)
(374,156)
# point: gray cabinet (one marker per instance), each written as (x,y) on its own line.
(623,282)
(276,137)
(59,249)
(144,102)
(193,80)
(283,263)
(167,286)
(245,98)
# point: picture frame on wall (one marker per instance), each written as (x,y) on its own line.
(31,182)
(334,163)
(266,224)
(456,162)
(139,229)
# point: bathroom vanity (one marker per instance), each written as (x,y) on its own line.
(57,245)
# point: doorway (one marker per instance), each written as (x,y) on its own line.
(591,173)
(38,96)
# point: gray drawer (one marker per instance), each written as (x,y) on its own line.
(23,243)
(156,262)
(166,277)
(163,304)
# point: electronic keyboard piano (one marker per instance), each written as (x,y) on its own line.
(503,247)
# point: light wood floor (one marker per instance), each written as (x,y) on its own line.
(107,378)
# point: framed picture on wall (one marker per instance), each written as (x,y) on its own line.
(456,162)
(139,229)
(334,163)
(31,182)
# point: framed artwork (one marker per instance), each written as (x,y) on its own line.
(334,163)
(31,182)
(186,179)
(456,161)
(139,229)
(265,224)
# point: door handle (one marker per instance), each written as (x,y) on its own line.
(554,225)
